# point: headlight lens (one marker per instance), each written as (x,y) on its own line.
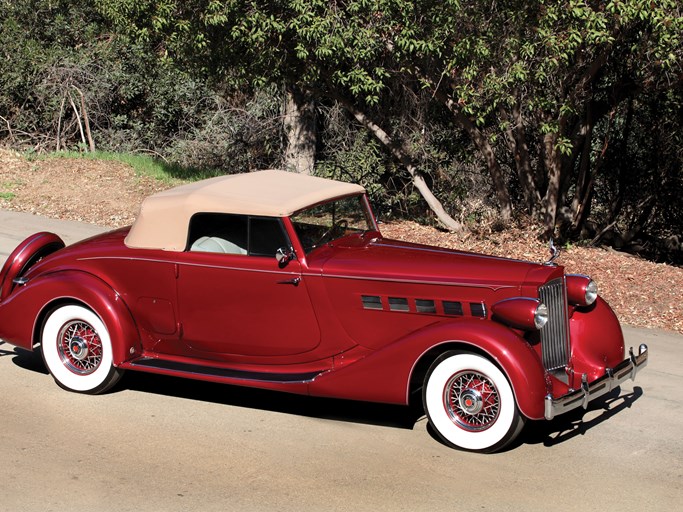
(591,292)
(541,316)
(581,290)
(522,313)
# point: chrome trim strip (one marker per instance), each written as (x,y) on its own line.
(303,274)
(627,369)
(175,367)
(411,281)
(192,264)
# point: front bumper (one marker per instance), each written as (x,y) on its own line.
(627,369)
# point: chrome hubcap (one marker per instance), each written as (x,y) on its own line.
(471,400)
(79,347)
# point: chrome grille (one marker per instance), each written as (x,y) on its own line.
(555,334)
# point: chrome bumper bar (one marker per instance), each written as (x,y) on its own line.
(627,369)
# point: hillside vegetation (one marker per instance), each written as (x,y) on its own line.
(458,114)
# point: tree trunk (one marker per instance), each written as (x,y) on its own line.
(553,165)
(584,182)
(300,131)
(526,175)
(86,120)
(483,145)
(497,179)
(402,155)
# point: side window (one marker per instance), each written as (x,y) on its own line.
(218,232)
(236,234)
(266,236)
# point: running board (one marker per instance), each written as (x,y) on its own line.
(198,371)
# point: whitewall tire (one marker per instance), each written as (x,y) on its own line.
(470,404)
(77,350)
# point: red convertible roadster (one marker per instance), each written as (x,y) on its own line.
(283,281)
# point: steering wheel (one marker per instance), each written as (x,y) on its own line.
(341,225)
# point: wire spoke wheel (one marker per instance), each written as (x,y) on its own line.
(472,400)
(77,350)
(469,403)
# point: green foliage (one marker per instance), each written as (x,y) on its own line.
(568,101)
(64,63)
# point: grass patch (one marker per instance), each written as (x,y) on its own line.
(144,165)
(7,194)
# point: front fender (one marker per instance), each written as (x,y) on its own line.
(23,312)
(597,340)
(385,375)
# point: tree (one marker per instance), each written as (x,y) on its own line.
(263,42)
(539,76)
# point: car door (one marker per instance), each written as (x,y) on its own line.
(235,299)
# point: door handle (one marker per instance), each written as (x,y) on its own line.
(294,281)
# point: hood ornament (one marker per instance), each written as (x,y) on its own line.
(554,253)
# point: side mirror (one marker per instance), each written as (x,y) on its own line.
(284,255)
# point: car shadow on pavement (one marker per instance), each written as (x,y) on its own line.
(26,359)
(397,416)
(569,425)
(579,421)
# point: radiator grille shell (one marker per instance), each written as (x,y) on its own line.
(555,334)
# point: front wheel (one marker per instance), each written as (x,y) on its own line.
(77,350)
(470,404)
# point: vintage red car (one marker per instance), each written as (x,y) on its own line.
(283,281)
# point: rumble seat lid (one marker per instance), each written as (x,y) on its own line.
(163,220)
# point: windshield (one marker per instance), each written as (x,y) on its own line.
(320,224)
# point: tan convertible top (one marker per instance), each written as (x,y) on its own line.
(164,217)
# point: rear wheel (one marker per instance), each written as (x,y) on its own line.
(77,350)
(470,404)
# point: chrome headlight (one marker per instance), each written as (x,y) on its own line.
(581,290)
(522,313)
(540,316)
(591,292)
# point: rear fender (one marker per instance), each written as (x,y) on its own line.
(28,253)
(385,375)
(23,313)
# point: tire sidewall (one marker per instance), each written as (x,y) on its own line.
(90,383)
(496,435)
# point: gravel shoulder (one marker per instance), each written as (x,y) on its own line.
(643,293)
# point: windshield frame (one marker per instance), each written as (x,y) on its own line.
(315,233)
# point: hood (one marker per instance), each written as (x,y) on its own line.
(393,260)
